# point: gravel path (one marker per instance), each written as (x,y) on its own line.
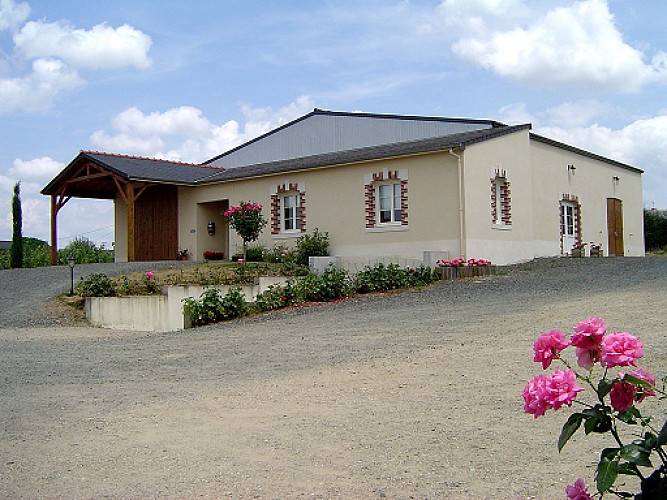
(410,395)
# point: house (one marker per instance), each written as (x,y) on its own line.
(382,186)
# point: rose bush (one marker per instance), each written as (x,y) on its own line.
(616,396)
(246,219)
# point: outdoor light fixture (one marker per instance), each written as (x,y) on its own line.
(571,168)
(616,178)
(210,227)
(70,262)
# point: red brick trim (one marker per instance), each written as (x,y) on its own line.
(370,194)
(505,217)
(281,189)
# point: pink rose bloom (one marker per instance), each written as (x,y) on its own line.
(150,275)
(588,334)
(622,395)
(534,402)
(578,491)
(587,357)
(621,349)
(548,346)
(642,391)
(241,261)
(545,392)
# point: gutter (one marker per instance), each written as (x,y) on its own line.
(462,231)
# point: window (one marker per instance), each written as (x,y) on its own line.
(290,210)
(389,196)
(386,200)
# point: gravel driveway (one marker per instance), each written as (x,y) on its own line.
(410,395)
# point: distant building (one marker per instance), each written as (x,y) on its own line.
(5,245)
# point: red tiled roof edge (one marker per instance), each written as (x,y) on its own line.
(135,157)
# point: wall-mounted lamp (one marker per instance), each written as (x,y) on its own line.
(616,179)
(571,168)
(210,227)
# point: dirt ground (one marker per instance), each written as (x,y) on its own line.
(406,396)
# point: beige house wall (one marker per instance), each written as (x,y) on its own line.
(592,182)
(334,200)
(499,243)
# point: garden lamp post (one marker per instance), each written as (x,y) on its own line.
(70,262)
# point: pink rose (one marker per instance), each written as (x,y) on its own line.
(642,391)
(588,334)
(545,392)
(587,357)
(621,349)
(578,491)
(548,346)
(622,395)
(150,275)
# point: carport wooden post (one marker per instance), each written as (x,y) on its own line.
(130,195)
(57,202)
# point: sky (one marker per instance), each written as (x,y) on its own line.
(189,80)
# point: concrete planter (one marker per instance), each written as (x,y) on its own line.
(159,313)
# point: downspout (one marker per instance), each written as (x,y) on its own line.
(462,231)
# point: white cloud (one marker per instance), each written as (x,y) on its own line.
(101,47)
(642,144)
(41,169)
(479,16)
(568,45)
(12,14)
(185,134)
(38,90)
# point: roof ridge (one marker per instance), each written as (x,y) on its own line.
(136,157)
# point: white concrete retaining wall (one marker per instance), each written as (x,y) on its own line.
(158,313)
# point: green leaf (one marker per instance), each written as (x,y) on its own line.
(637,381)
(662,436)
(630,416)
(636,454)
(604,387)
(607,472)
(569,428)
(628,469)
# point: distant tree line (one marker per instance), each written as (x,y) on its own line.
(655,229)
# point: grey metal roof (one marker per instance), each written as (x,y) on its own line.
(5,245)
(459,141)
(320,132)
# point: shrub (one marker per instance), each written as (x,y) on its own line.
(36,253)
(423,275)
(234,304)
(655,230)
(332,284)
(312,245)
(272,298)
(85,251)
(255,253)
(214,307)
(96,285)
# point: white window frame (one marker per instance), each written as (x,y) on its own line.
(293,219)
(394,203)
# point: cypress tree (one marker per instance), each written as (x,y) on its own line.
(16,250)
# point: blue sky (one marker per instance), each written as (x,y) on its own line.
(188,80)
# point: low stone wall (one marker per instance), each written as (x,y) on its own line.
(158,313)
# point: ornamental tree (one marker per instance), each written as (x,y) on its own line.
(246,219)
(16,250)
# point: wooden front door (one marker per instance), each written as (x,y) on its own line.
(615,226)
(156,224)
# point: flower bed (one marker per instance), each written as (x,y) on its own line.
(460,268)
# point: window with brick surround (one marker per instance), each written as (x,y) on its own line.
(386,200)
(501,200)
(288,209)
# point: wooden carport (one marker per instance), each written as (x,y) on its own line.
(148,187)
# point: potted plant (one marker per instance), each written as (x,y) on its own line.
(183,254)
(579,249)
(210,255)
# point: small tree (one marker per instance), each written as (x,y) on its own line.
(246,219)
(16,250)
